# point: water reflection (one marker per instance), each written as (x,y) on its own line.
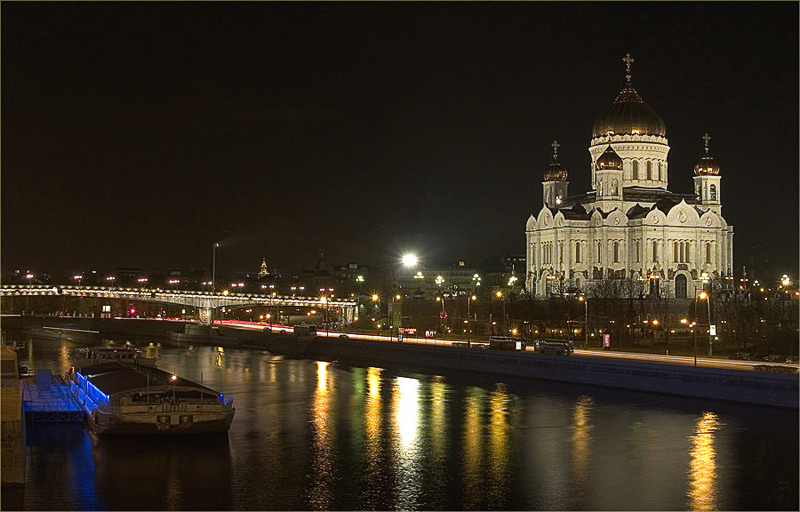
(580,439)
(405,403)
(321,494)
(472,448)
(372,445)
(499,401)
(703,466)
(438,440)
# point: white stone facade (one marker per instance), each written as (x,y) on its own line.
(629,225)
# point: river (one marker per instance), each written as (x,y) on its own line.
(312,435)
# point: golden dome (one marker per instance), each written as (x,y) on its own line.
(609,160)
(629,115)
(555,171)
(707,165)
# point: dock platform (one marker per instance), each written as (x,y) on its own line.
(47,399)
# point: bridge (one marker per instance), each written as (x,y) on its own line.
(206,302)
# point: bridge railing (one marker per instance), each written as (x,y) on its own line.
(156,293)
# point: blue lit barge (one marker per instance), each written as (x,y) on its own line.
(122,398)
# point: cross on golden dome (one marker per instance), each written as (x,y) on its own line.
(555,146)
(628,60)
(706,138)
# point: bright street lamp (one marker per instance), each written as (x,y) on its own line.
(410,260)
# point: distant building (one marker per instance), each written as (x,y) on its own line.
(629,226)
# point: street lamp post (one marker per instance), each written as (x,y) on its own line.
(585,301)
(214,266)
(704,296)
(499,295)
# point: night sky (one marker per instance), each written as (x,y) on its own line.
(138,134)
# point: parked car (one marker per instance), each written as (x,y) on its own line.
(558,347)
(740,355)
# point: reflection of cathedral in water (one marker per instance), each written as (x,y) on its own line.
(629,226)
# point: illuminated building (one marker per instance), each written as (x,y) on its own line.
(629,226)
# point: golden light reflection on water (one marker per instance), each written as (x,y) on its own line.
(703,466)
(63,358)
(372,427)
(499,402)
(438,425)
(374,382)
(406,422)
(321,495)
(438,437)
(472,448)
(581,437)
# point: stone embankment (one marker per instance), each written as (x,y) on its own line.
(744,386)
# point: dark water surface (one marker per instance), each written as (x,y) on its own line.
(314,435)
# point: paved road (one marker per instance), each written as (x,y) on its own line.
(632,356)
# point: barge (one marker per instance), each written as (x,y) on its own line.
(125,398)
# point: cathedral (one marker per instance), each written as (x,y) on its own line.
(629,226)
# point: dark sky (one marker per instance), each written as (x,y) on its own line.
(138,134)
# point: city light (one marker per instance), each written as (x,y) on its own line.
(785,281)
(499,294)
(374,297)
(410,260)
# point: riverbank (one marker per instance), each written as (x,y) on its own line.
(742,386)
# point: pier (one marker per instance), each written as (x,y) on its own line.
(46,399)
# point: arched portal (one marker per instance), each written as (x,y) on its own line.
(680,286)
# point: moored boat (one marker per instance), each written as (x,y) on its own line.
(124,398)
(88,356)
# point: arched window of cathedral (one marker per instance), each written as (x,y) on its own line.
(680,286)
(675,254)
(577,252)
(616,252)
(708,253)
(561,252)
(578,283)
(713,189)
(614,187)
(636,250)
(635,170)
(655,251)
(599,252)
(660,172)
(649,170)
